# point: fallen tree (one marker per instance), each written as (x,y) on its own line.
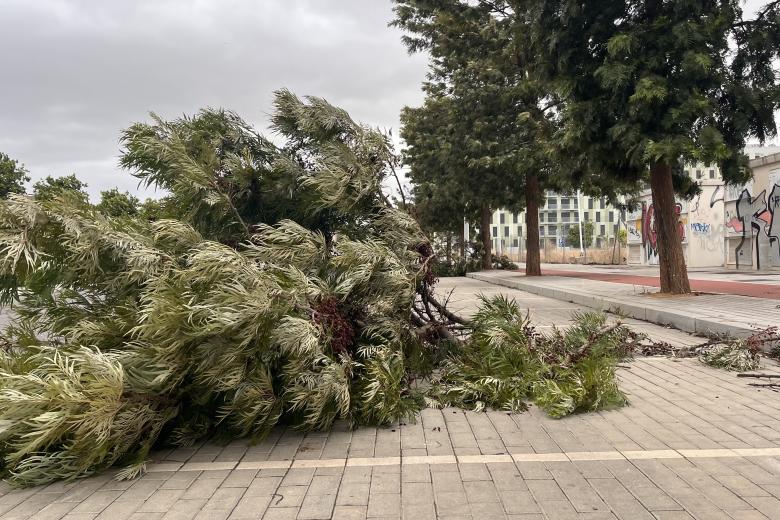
(282,286)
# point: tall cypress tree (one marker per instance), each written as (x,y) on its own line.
(652,84)
(487,121)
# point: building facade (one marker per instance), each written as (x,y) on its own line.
(556,216)
(723,226)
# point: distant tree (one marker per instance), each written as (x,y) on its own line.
(115,203)
(573,238)
(486,123)
(623,237)
(12,176)
(51,187)
(650,85)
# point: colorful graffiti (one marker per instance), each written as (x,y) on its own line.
(650,234)
(700,228)
(754,215)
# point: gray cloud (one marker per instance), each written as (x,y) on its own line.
(78,71)
(75,72)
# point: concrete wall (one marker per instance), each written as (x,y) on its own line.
(706,228)
(700,225)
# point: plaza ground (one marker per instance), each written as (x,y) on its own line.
(695,442)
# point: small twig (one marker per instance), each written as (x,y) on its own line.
(768,376)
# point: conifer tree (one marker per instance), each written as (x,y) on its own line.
(486,125)
(650,85)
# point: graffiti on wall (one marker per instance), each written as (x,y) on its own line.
(707,240)
(755,215)
(701,228)
(650,234)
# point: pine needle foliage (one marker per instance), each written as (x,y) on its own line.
(282,287)
(281,291)
(508,363)
(735,356)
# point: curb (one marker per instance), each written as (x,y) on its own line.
(678,320)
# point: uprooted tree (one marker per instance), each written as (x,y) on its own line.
(282,286)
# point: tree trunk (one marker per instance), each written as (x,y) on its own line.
(533,265)
(487,239)
(462,242)
(449,249)
(671,260)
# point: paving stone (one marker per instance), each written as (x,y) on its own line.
(250,506)
(288,496)
(384,504)
(317,507)
(353,494)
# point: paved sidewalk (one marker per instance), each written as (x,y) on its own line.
(694,443)
(701,314)
(719,281)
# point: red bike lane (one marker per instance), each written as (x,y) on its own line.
(756,290)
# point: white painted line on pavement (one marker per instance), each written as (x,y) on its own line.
(467,459)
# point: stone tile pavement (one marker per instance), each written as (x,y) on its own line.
(702,314)
(694,443)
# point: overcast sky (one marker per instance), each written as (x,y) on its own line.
(76,72)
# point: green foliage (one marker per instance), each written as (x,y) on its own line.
(51,188)
(507,363)
(12,176)
(736,356)
(623,237)
(458,268)
(503,262)
(573,238)
(281,291)
(114,203)
(666,84)
(487,121)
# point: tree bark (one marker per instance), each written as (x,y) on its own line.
(671,260)
(487,240)
(533,266)
(449,249)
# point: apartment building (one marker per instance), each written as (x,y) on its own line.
(559,213)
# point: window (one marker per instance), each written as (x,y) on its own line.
(495,231)
(698,174)
(576,203)
(541,217)
(552,230)
(519,231)
(514,218)
(712,174)
(565,203)
(552,203)
(587,217)
(552,217)
(515,243)
(598,216)
(541,230)
(501,218)
(601,203)
(603,230)
(590,203)
(611,216)
(565,217)
(506,231)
